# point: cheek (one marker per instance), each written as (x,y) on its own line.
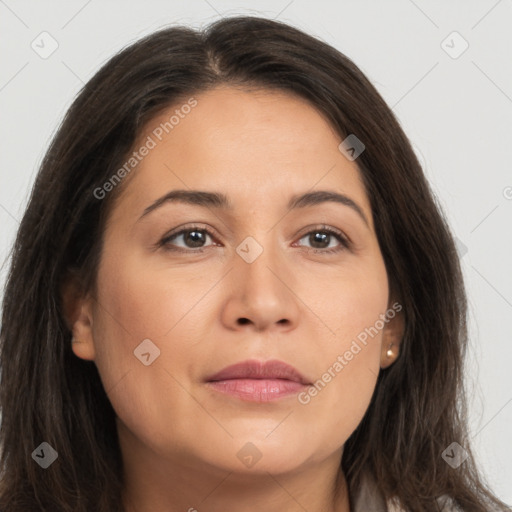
(141,299)
(343,387)
(349,359)
(348,300)
(137,302)
(128,308)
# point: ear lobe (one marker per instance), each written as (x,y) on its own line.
(78,315)
(83,349)
(392,336)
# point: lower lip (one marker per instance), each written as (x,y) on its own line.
(257,390)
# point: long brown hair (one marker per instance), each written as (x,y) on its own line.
(49,395)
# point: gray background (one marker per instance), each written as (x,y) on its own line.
(456,111)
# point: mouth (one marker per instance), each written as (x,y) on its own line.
(257,381)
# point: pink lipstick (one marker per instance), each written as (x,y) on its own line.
(256,381)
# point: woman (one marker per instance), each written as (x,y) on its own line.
(232,289)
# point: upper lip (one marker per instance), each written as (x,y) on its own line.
(253,369)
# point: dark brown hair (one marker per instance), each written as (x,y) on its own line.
(48,394)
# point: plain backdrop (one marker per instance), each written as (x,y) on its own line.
(445,68)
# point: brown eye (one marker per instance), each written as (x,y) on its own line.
(193,238)
(326,240)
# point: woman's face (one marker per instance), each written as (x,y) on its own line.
(259,280)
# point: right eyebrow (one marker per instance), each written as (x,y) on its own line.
(195,197)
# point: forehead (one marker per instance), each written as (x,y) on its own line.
(255,146)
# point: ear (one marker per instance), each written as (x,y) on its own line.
(392,334)
(78,314)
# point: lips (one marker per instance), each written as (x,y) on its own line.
(254,381)
(273,369)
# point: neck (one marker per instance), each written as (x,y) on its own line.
(187,485)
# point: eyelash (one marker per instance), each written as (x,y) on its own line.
(345,244)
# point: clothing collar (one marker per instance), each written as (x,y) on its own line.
(370,498)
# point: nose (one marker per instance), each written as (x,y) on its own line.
(261,292)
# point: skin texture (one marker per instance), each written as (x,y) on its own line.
(179,438)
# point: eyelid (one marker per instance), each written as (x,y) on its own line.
(182,229)
(344,240)
(324,227)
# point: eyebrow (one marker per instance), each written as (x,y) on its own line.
(219,200)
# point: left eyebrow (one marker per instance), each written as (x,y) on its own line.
(220,201)
(324,196)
